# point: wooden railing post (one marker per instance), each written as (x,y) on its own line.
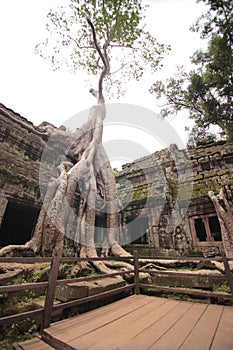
(136,272)
(50,294)
(227,271)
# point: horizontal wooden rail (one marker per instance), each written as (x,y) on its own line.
(111,258)
(25,260)
(23,286)
(22,316)
(95,277)
(182,258)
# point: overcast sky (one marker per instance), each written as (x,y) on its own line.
(30,87)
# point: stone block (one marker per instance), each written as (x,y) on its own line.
(71,291)
(101,285)
(78,290)
(198,280)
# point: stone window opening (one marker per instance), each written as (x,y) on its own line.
(200,230)
(215,228)
(206,230)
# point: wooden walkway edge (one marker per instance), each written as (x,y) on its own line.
(141,322)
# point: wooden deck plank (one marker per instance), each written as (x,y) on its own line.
(148,336)
(122,329)
(224,335)
(143,323)
(66,333)
(203,332)
(125,334)
(34,344)
(116,307)
(181,329)
(93,314)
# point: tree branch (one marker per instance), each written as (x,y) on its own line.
(104,59)
(126,47)
(122,66)
(81,47)
(184,105)
(106,24)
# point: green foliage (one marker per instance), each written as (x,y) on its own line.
(217,20)
(23,280)
(44,266)
(115,171)
(36,275)
(130,49)
(25,157)
(224,287)
(207,90)
(29,296)
(17,332)
(198,135)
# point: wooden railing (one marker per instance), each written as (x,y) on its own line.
(189,291)
(44,314)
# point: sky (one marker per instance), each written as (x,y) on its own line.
(31,88)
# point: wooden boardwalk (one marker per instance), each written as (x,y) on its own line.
(142,322)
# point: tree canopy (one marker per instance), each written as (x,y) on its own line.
(207,90)
(120,32)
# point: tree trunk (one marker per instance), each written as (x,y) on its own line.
(90,172)
(225,217)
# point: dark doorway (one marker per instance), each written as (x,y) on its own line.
(100,229)
(138,230)
(18,225)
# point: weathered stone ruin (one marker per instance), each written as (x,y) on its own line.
(165,198)
(160,186)
(21,147)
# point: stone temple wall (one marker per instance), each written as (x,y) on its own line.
(21,148)
(169,190)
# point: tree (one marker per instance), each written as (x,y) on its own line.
(106,38)
(207,90)
(217,20)
(200,136)
(225,217)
